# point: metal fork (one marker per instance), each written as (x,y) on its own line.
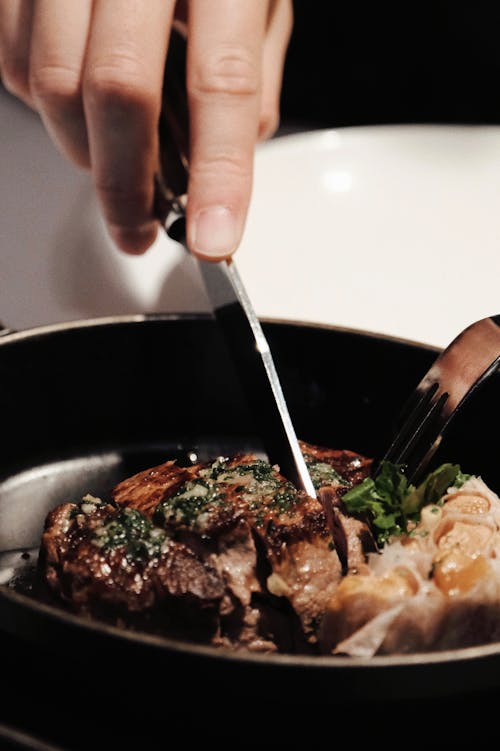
(468,361)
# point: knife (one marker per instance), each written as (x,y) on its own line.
(233,310)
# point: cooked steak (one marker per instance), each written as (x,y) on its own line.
(145,490)
(290,528)
(335,467)
(232,538)
(231,553)
(97,557)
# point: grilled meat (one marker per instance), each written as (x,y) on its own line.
(232,538)
(290,528)
(98,557)
(231,553)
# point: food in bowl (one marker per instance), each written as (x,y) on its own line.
(231,553)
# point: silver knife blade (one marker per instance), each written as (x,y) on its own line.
(254,363)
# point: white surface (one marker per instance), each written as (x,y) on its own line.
(391,229)
(56,261)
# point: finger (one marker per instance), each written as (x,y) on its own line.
(59,41)
(224,75)
(15,35)
(276,42)
(122,100)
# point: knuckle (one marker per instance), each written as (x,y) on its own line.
(116,190)
(123,203)
(55,84)
(230,163)
(15,76)
(226,71)
(120,81)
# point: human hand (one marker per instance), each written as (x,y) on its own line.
(93,69)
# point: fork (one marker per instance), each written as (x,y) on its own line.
(456,373)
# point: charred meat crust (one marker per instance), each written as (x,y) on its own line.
(351,466)
(145,490)
(92,578)
(233,537)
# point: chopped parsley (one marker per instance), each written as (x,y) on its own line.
(323,474)
(260,470)
(390,502)
(132,530)
(189,502)
(256,483)
(285,498)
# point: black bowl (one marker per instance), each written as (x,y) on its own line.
(85,404)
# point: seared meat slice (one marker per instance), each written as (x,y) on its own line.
(295,552)
(305,568)
(242,621)
(299,561)
(353,537)
(145,490)
(349,467)
(235,558)
(101,559)
(334,472)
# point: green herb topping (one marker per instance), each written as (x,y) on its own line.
(323,474)
(391,502)
(256,483)
(132,530)
(190,501)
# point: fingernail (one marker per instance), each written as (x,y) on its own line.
(215,232)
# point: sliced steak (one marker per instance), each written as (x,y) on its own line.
(352,537)
(233,538)
(298,560)
(350,467)
(145,490)
(107,561)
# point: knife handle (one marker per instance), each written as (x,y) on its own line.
(172,177)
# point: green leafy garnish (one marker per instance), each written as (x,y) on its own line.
(390,502)
(382,499)
(434,487)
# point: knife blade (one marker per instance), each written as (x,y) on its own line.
(251,354)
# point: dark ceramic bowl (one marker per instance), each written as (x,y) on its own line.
(85,404)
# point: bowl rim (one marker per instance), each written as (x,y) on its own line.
(14,335)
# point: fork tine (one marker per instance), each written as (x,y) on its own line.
(419,430)
(470,358)
(411,415)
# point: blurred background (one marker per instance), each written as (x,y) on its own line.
(359,63)
(374,207)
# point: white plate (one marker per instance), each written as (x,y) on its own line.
(392,229)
